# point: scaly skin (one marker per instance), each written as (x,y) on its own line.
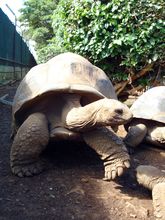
(30,140)
(158,196)
(111,150)
(136,134)
(91,120)
(154,179)
(156,135)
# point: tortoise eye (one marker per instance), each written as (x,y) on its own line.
(119,111)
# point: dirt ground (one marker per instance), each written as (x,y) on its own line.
(71,187)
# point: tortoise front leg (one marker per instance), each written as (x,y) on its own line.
(30,140)
(111,150)
(156,135)
(136,134)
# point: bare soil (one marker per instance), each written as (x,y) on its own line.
(71,187)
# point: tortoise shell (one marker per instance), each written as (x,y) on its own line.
(65,73)
(150,105)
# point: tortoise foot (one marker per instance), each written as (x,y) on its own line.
(31,169)
(115,169)
(149,176)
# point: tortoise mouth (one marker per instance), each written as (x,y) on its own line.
(120,121)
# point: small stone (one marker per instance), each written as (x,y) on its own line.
(158,215)
(77,202)
(26,190)
(162,154)
(84,180)
(137,210)
(52,196)
(133,216)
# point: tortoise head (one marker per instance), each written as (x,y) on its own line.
(112,112)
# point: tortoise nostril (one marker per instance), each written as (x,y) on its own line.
(119,111)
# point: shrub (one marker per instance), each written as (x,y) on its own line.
(129,31)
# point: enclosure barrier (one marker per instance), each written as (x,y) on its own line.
(15,56)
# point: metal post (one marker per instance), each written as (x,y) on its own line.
(21,52)
(14,39)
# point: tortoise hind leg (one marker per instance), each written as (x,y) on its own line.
(30,140)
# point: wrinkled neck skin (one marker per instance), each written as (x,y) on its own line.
(96,114)
(75,117)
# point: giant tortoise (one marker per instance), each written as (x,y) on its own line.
(148,124)
(67,98)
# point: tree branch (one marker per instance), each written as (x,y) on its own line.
(132,77)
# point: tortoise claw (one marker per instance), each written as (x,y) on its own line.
(28,169)
(111,171)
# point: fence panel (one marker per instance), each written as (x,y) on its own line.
(15,56)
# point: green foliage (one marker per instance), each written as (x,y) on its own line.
(144,81)
(116,35)
(119,76)
(36,19)
(130,30)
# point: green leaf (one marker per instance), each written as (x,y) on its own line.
(118,42)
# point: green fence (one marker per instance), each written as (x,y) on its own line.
(15,56)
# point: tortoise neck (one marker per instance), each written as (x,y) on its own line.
(71,101)
(82,118)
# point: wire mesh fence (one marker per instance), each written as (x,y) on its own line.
(15,56)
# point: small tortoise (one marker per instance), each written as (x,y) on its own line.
(67,98)
(154,179)
(148,121)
